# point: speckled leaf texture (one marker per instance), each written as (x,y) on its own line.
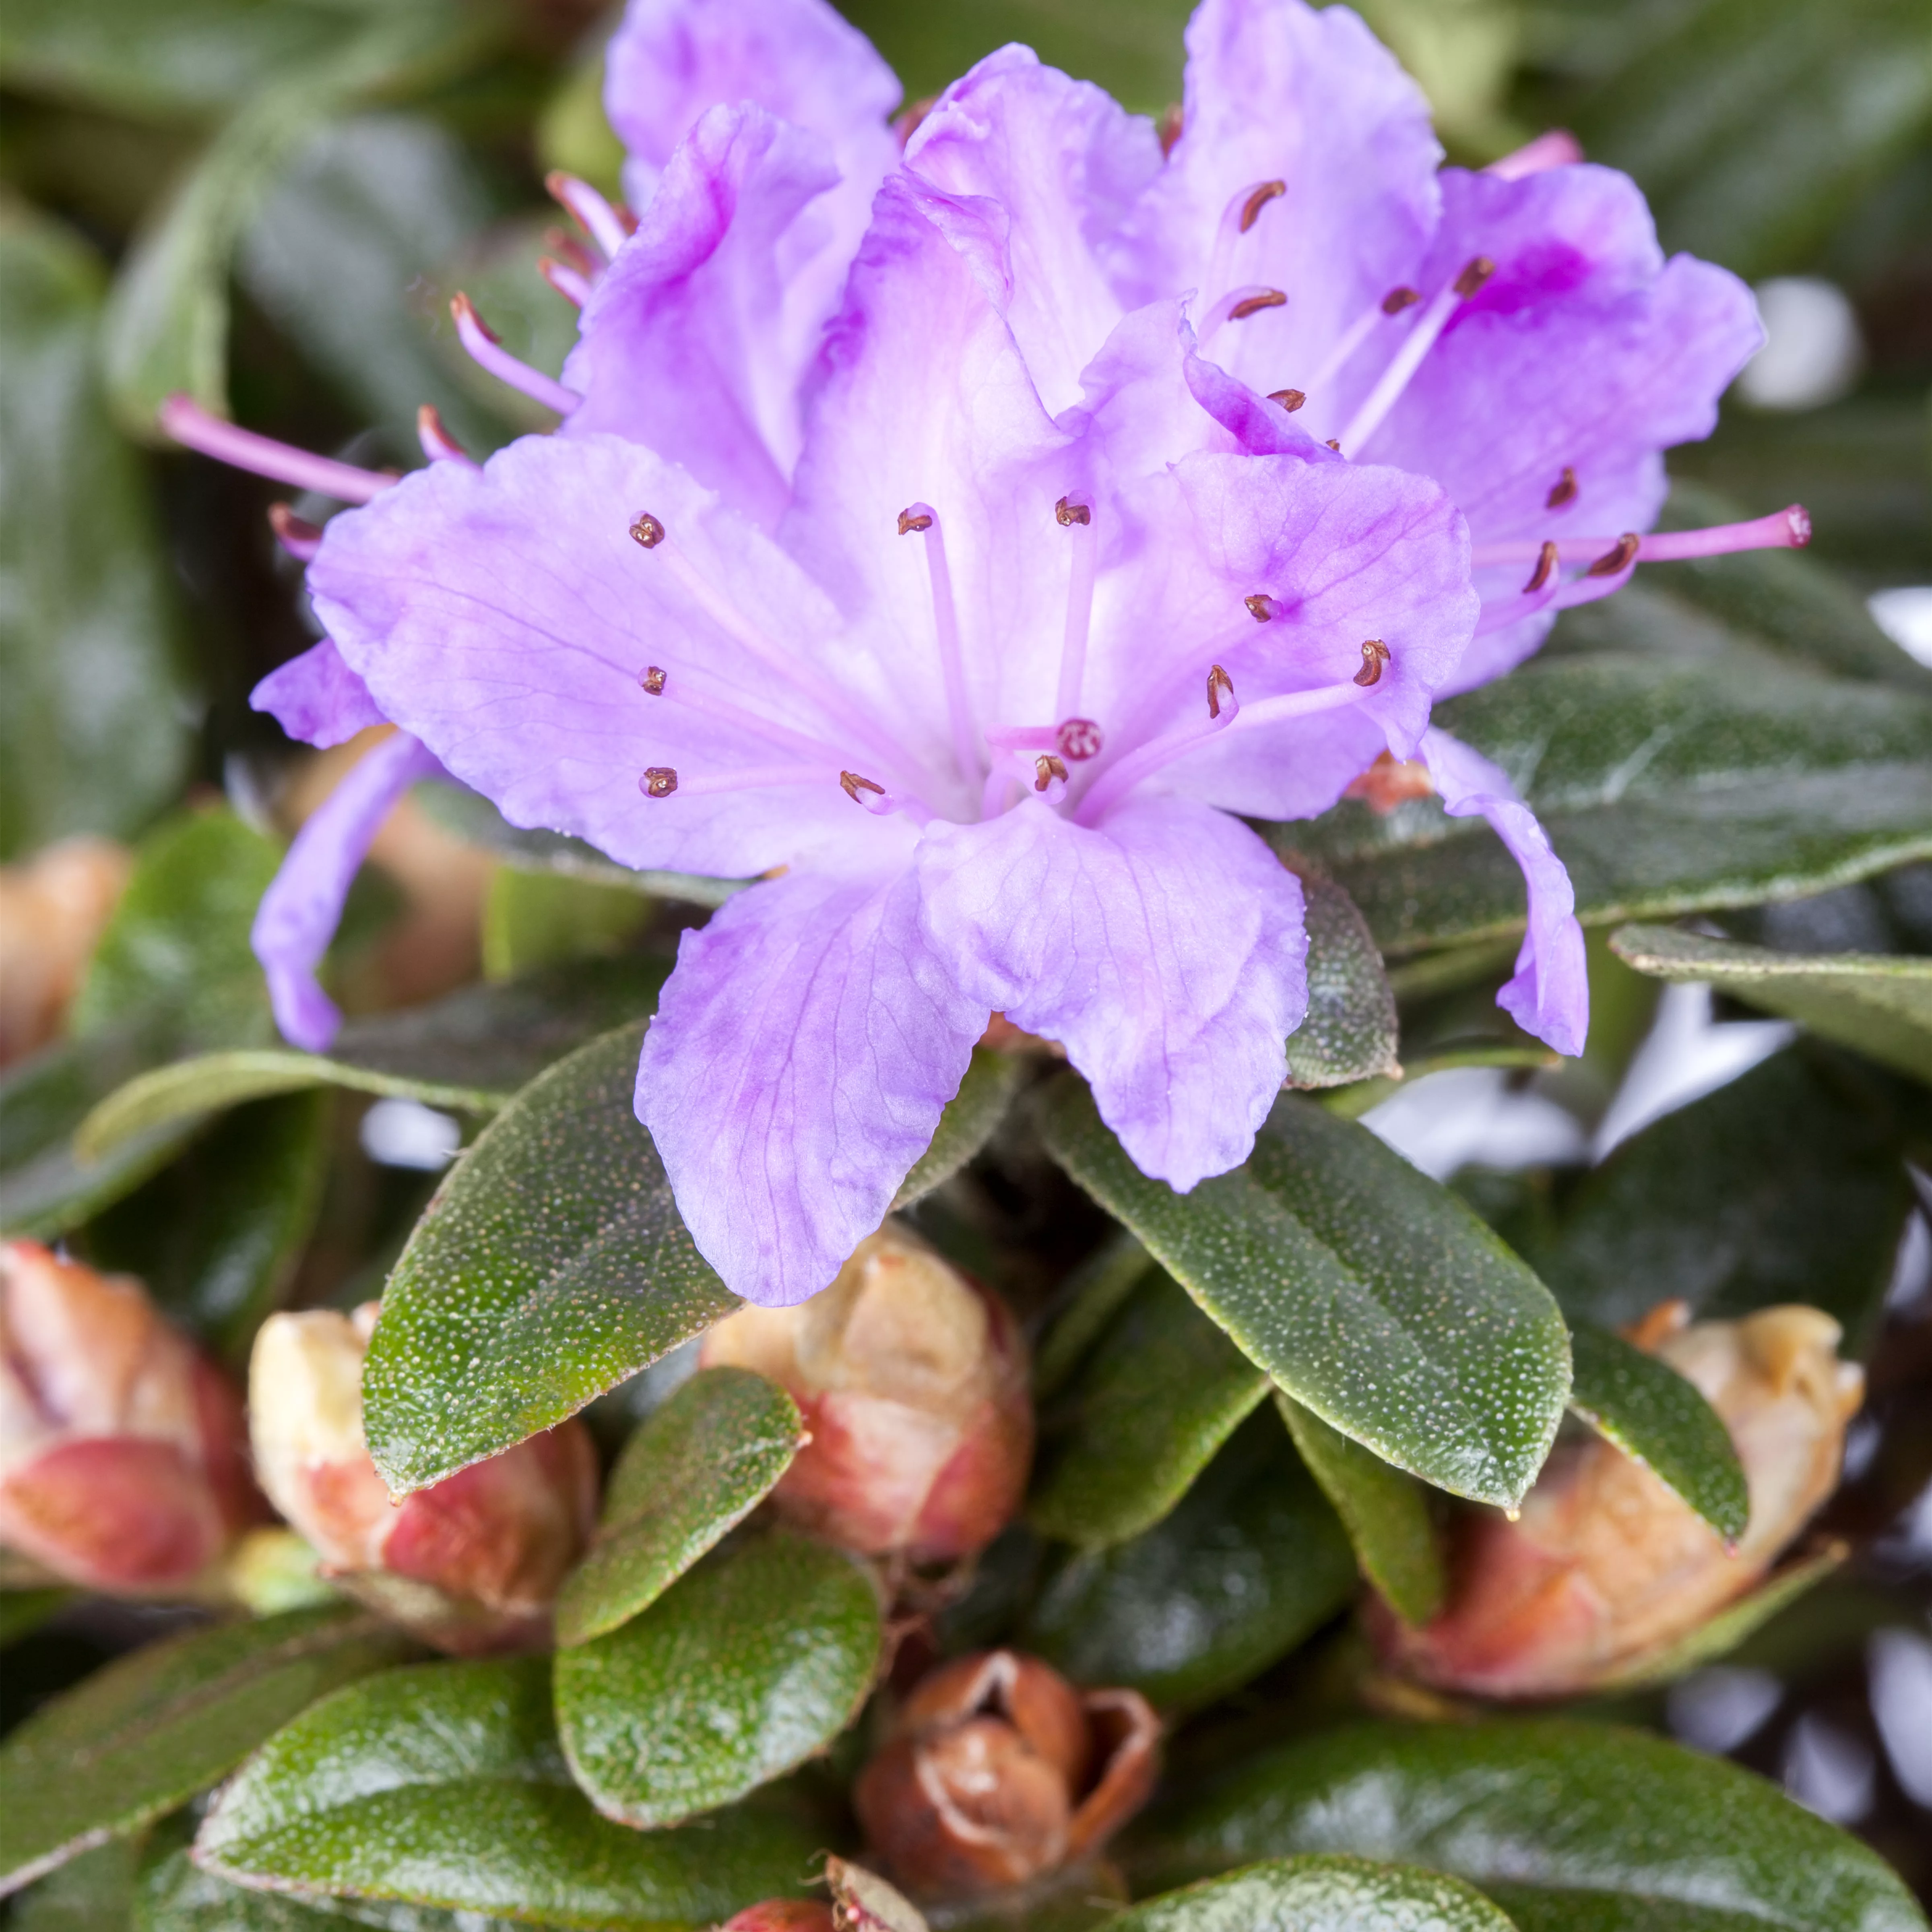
(1316,1894)
(1368,1291)
(443,1784)
(968,1122)
(741,1670)
(551,1265)
(691,1471)
(1350,1032)
(1569,1827)
(159,1725)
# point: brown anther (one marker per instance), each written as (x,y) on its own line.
(1046,768)
(1546,568)
(1260,607)
(1251,208)
(1249,305)
(1219,686)
(647,531)
(1290,400)
(852,784)
(1068,512)
(1078,738)
(460,305)
(908,523)
(659,782)
(1397,300)
(290,528)
(1375,654)
(1475,273)
(1621,559)
(1332,444)
(1169,127)
(1562,491)
(653,680)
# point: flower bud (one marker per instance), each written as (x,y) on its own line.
(912,1379)
(1606,1568)
(52,910)
(997,1771)
(782,1915)
(122,1463)
(471,1563)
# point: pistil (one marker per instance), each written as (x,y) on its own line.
(921,520)
(193,427)
(1402,366)
(1076,518)
(1789,529)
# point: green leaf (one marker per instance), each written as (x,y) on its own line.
(970,1121)
(1368,1291)
(155,1727)
(1561,1816)
(1250,1563)
(1881,1004)
(1386,1514)
(1786,1185)
(1316,1893)
(473,1051)
(23,1612)
(551,1265)
(1650,1412)
(93,735)
(692,1469)
(1160,1394)
(91,1893)
(444,1785)
(1086,1302)
(216,1235)
(743,1668)
(539,919)
(1350,1032)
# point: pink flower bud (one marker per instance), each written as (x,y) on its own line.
(122,1464)
(52,911)
(471,1563)
(998,1771)
(1606,1568)
(782,1915)
(912,1379)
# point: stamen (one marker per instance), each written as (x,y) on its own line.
(438,445)
(1220,686)
(1253,305)
(1334,443)
(1290,400)
(1614,562)
(1375,654)
(1169,127)
(194,427)
(659,782)
(589,210)
(1260,607)
(1545,567)
(568,250)
(488,353)
(574,287)
(1351,339)
(647,531)
(922,518)
(1789,529)
(1397,300)
(1079,738)
(1403,364)
(1251,208)
(1562,491)
(1077,518)
(1390,781)
(1558,149)
(690,695)
(1046,769)
(653,680)
(296,535)
(852,784)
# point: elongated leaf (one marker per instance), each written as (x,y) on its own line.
(156,1727)
(1369,1293)
(1350,1032)
(969,1121)
(93,733)
(693,1469)
(473,1051)
(1089,1299)
(1879,1003)
(542,919)
(93,1892)
(23,1611)
(1650,1412)
(1250,1563)
(1552,1813)
(1787,1185)
(551,1265)
(1318,1893)
(1385,1513)
(1158,1395)
(444,1785)
(743,1668)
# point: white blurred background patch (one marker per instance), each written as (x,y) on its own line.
(1813,352)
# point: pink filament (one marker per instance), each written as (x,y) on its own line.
(1789,529)
(945,630)
(574,289)
(194,427)
(488,353)
(589,210)
(1558,149)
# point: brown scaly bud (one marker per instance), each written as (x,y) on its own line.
(1390,781)
(912,1379)
(123,1464)
(997,1771)
(1606,1568)
(52,910)
(471,1563)
(862,1901)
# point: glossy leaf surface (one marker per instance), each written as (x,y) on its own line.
(443,1785)
(743,1668)
(1367,1291)
(158,1725)
(1317,1893)
(551,1265)
(692,1469)
(1350,1032)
